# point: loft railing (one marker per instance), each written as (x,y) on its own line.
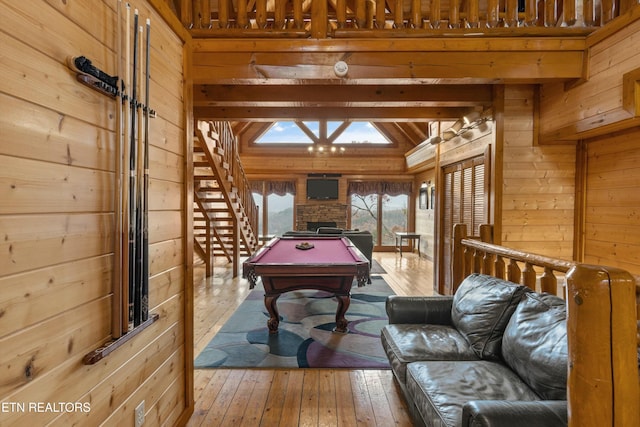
(342,18)
(472,255)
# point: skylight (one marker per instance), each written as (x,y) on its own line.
(361,133)
(313,132)
(286,132)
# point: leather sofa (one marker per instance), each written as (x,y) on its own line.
(494,354)
(363,240)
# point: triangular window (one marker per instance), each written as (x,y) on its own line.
(322,132)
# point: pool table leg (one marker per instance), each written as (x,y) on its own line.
(272,308)
(343,305)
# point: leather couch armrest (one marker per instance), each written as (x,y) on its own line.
(509,413)
(434,310)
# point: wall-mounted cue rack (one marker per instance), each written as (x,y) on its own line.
(133,113)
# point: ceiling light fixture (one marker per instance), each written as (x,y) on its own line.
(322,149)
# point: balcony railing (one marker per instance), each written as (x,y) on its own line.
(392,18)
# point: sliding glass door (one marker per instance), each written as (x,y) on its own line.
(380,214)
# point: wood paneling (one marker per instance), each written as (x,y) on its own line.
(538,188)
(57,172)
(612,200)
(589,109)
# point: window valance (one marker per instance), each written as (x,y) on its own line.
(279,188)
(392,188)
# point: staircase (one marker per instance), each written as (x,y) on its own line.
(225,217)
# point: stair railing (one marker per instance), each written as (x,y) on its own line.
(226,148)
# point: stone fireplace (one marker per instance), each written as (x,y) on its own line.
(321,214)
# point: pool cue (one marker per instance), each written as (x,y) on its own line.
(132,174)
(126,190)
(145,200)
(116,303)
(137,296)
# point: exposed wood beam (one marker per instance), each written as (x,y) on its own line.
(339,95)
(380,61)
(388,67)
(379,114)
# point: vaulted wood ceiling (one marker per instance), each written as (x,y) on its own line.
(400,85)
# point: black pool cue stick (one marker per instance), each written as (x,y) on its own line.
(137,297)
(132,175)
(126,139)
(116,305)
(145,201)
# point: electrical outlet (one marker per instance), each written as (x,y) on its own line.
(139,414)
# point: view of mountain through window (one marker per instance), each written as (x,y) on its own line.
(309,132)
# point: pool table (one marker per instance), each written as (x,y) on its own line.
(324,263)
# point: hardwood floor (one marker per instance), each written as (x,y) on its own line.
(295,397)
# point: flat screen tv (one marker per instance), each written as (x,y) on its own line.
(322,189)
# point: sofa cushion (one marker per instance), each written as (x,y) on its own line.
(406,343)
(482,307)
(535,344)
(440,389)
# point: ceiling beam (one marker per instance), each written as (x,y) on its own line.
(454,60)
(210,95)
(378,114)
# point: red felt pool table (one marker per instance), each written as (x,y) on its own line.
(323,263)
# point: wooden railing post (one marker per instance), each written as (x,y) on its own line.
(608,10)
(589,13)
(454,14)
(398,14)
(549,282)
(550,13)
(513,272)
(602,388)
(223,13)
(434,14)
(473,15)
(531,13)
(370,7)
(416,13)
(380,13)
(298,21)
(319,19)
(261,13)
(529,276)
(341,13)
(242,19)
(569,12)
(511,13)
(486,233)
(279,14)
(493,13)
(361,14)
(499,267)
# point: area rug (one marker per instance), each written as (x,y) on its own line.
(305,338)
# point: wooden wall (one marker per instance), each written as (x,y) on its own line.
(601,102)
(603,110)
(612,201)
(535,203)
(57,142)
